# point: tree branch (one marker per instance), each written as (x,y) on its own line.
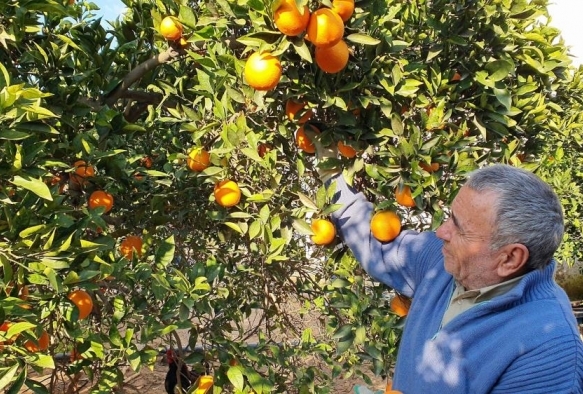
(134,75)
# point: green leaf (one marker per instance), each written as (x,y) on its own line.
(499,69)
(235,227)
(31,230)
(4,82)
(236,377)
(343,332)
(308,203)
(254,229)
(302,227)
(503,96)
(13,135)
(19,327)
(43,361)
(165,251)
(36,186)
(7,375)
(363,39)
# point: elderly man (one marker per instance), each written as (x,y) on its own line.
(487,315)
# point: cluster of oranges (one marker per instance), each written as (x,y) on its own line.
(82,301)
(105,200)
(385,225)
(324,28)
(226,192)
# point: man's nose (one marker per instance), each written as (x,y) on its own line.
(444,231)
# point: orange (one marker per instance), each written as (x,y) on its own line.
(129,244)
(100,198)
(429,167)
(82,301)
(346,150)
(332,59)
(4,328)
(198,160)
(456,77)
(39,345)
(147,161)
(344,8)
(325,28)
(385,225)
(74,355)
(403,196)
(83,169)
(292,107)
(324,231)
(303,141)
(289,20)
(227,193)
(400,305)
(262,149)
(23,292)
(262,71)
(171,29)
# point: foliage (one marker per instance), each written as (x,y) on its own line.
(458,83)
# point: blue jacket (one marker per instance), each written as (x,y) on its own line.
(524,341)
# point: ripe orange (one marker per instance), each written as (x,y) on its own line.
(403,196)
(74,355)
(147,161)
(325,28)
(456,77)
(262,149)
(289,20)
(4,328)
(324,231)
(292,107)
(171,29)
(100,198)
(385,225)
(39,345)
(227,193)
(198,160)
(83,169)
(344,8)
(332,59)
(400,305)
(346,150)
(129,244)
(429,167)
(303,141)
(262,71)
(82,301)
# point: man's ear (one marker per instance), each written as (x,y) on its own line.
(512,260)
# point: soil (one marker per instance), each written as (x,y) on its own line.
(147,381)
(152,381)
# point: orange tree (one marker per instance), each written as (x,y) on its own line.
(429,91)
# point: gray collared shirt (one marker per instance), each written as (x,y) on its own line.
(462,300)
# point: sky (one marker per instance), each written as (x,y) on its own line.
(565,14)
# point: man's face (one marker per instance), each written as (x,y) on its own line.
(466,235)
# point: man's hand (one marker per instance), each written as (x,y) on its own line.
(325,155)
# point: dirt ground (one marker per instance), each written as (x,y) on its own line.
(146,382)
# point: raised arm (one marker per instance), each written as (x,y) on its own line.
(400,264)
